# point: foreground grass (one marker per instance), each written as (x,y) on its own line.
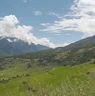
(48,81)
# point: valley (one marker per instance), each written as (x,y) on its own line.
(47,47)
(65,71)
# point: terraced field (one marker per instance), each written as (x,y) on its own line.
(20,80)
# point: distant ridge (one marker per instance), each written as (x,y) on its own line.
(14,46)
(82,51)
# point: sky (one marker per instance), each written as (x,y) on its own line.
(52,23)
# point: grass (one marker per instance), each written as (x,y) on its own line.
(18,80)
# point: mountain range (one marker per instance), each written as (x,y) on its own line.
(14,46)
(76,53)
(82,51)
(66,70)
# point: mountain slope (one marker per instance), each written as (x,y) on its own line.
(13,46)
(87,42)
(73,54)
(36,74)
(19,78)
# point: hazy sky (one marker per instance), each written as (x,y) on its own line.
(48,22)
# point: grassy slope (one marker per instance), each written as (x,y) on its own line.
(60,57)
(18,80)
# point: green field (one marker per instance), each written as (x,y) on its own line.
(20,79)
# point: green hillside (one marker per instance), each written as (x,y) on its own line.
(19,78)
(68,71)
(59,57)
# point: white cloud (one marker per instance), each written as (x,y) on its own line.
(55,14)
(62,45)
(81,19)
(25,1)
(11,27)
(45,24)
(37,13)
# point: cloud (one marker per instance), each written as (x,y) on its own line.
(63,45)
(25,1)
(81,18)
(37,13)
(55,14)
(11,27)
